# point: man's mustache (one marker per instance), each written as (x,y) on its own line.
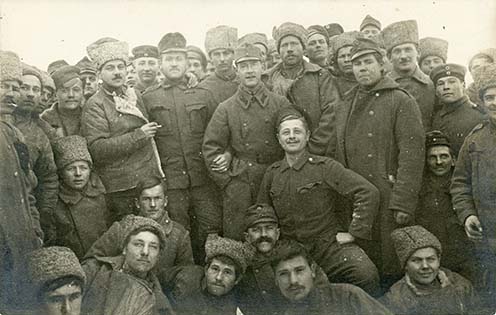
(264,239)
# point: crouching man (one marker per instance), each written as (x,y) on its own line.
(126,284)
(295,274)
(426,288)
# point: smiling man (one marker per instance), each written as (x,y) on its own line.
(426,288)
(458,115)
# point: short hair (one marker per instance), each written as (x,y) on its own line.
(150,229)
(57,283)
(289,249)
(149,182)
(228,261)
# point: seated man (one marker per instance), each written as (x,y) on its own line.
(57,281)
(257,292)
(151,202)
(295,273)
(425,288)
(211,292)
(126,284)
(81,211)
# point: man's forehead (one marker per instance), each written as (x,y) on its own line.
(29,79)
(316,36)
(145,236)
(438,149)
(449,78)
(153,191)
(220,264)
(65,290)
(73,82)
(424,253)
(145,59)
(292,263)
(292,123)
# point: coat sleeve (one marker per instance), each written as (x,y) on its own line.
(461,184)
(323,138)
(410,140)
(216,141)
(96,129)
(264,191)
(362,303)
(364,195)
(185,252)
(108,244)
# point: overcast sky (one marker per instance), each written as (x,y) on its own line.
(45,30)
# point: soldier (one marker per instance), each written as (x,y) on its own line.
(318,46)
(370,27)
(458,115)
(306,85)
(341,48)
(184,114)
(146,65)
(81,212)
(197,62)
(57,281)
(258,40)
(401,41)
(295,273)
(426,288)
(482,58)
(333,29)
(433,52)
(473,191)
(219,44)
(65,114)
(55,65)
(47,93)
(380,137)
(303,189)
(127,284)
(212,290)
(151,202)
(87,74)
(273,56)
(119,136)
(243,127)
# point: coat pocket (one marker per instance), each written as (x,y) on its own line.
(163,116)
(197,114)
(305,189)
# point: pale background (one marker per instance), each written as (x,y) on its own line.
(41,31)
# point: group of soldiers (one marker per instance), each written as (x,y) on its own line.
(318,172)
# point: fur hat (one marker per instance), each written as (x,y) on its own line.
(240,252)
(409,239)
(484,78)
(369,20)
(51,263)
(10,66)
(221,37)
(133,222)
(289,28)
(107,49)
(431,46)
(489,53)
(70,149)
(342,40)
(399,33)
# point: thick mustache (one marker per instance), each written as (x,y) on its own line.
(296,287)
(264,239)
(117,76)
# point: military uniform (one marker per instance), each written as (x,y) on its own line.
(304,196)
(64,125)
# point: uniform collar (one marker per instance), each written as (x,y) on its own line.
(417,75)
(246,96)
(93,188)
(166,223)
(182,84)
(299,164)
(120,92)
(228,76)
(449,108)
(386,83)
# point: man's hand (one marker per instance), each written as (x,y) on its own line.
(344,238)
(150,129)
(473,228)
(222,162)
(401,218)
(192,80)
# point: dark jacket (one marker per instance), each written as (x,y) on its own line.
(121,153)
(456,120)
(109,290)
(380,137)
(245,125)
(313,184)
(420,86)
(221,87)
(80,217)
(472,189)
(342,299)
(453,295)
(183,114)
(316,94)
(64,125)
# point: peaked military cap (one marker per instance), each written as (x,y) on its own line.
(369,20)
(258,213)
(64,75)
(334,29)
(435,138)
(86,66)
(145,51)
(247,52)
(318,29)
(196,53)
(30,70)
(448,70)
(172,42)
(363,46)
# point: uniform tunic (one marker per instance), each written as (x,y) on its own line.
(220,86)
(64,125)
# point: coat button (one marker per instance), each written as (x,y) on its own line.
(249,164)
(184,172)
(267,142)
(247,144)
(369,134)
(244,124)
(257,271)
(15,174)
(370,175)
(369,155)
(264,292)
(371,113)
(377,94)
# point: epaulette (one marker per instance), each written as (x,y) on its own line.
(275,165)
(150,89)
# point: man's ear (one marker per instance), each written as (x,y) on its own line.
(166,202)
(313,268)
(136,203)
(246,237)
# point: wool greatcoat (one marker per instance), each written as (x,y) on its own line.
(380,137)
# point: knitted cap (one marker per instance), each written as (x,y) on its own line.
(399,33)
(409,239)
(448,70)
(133,222)
(221,37)
(289,28)
(70,149)
(107,49)
(241,253)
(57,64)
(431,46)
(254,38)
(369,20)
(434,138)
(86,66)
(51,263)
(484,78)
(10,66)
(172,42)
(64,75)
(196,53)
(259,213)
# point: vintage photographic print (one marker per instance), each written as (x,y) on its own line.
(232,157)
